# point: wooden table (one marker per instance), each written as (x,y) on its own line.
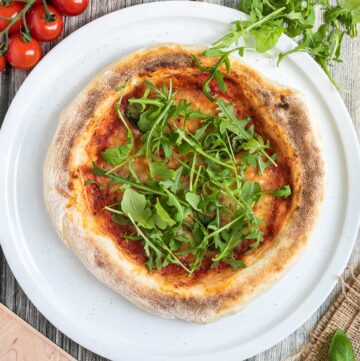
(348,74)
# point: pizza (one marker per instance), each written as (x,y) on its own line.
(187,185)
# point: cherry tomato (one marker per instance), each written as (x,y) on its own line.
(2,62)
(71,7)
(23,54)
(43,26)
(35,2)
(11,11)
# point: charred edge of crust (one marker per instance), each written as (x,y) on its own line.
(293,122)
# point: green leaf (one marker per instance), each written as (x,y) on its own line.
(235,263)
(245,6)
(197,63)
(340,347)
(267,36)
(349,4)
(250,192)
(214,52)
(134,204)
(229,120)
(148,117)
(282,192)
(162,217)
(220,80)
(114,156)
(193,199)
(175,184)
(174,202)
(159,170)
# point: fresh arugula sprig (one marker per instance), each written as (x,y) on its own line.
(116,155)
(206,204)
(324,44)
(271,18)
(256,26)
(215,70)
(250,141)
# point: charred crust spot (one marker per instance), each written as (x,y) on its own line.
(173,61)
(99,260)
(87,108)
(283,103)
(115,79)
(264,95)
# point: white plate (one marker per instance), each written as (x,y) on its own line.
(69,296)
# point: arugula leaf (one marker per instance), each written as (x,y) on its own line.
(175,202)
(162,217)
(114,156)
(235,263)
(193,199)
(244,27)
(267,36)
(228,240)
(134,204)
(254,144)
(250,192)
(160,170)
(175,183)
(229,120)
(340,347)
(282,192)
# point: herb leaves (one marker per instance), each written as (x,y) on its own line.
(270,19)
(199,209)
(114,156)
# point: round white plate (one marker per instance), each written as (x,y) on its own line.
(55,280)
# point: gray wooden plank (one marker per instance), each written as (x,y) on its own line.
(11,294)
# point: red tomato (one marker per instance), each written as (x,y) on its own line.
(2,62)
(43,27)
(71,7)
(11,11)
(22,54)
(35,3)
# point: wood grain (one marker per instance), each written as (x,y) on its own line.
(348,75)
(21,342)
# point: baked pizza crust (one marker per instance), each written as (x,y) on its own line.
(287,117)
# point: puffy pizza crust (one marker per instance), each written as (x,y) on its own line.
(287,117)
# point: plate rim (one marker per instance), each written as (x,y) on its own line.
(351,152)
